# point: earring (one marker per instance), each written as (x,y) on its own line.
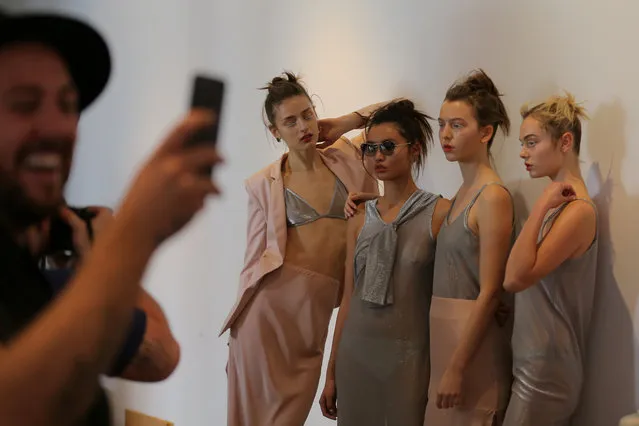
(278,139)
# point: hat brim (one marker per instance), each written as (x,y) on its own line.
(80,46)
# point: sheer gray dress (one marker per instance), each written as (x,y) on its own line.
(552,320)
(382,364)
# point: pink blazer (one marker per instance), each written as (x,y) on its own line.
(266,233)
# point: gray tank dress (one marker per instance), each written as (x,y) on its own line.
(382,364)
(552,319)
(488,378)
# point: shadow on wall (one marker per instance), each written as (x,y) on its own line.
(609,388)
(525,192)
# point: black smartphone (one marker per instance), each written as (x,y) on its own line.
(208,93)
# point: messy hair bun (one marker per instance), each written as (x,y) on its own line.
(479,91)
(412,124)
(558,115)
(279,89)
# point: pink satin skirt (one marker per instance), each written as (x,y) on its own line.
(488,377)
(276,348)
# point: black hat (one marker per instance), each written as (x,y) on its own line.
(82,47)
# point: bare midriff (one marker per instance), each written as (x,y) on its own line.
(318,246)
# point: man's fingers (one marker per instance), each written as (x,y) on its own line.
(73,220)
(196,120)
(202,157)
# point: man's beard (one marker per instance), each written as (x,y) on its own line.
(17,210)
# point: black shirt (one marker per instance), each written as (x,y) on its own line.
(24,292)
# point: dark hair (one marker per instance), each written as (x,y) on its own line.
(479,91)
(411,123)
(279,89)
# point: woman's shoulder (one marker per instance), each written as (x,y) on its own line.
(442,204)
(495,192)
(495,202)
(266,174)
(581,209)
(259,183)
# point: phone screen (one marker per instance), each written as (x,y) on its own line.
(208,93)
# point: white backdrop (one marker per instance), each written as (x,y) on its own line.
(353,53)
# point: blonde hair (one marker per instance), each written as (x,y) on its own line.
(558,115)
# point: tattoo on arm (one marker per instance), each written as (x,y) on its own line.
(151,363)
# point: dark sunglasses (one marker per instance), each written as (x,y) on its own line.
(386,148)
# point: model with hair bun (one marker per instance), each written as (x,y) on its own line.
(552,270)
(379,367)
(470,342)
(294,261)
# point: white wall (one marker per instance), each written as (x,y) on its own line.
(353,53)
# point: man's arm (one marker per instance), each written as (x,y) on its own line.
(57,360)
(158,354)
(149,352)
(332,129)
(49,373)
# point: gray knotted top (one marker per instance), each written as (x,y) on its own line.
(380,247)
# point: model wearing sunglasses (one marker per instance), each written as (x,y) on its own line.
(379,366)
(386,147)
